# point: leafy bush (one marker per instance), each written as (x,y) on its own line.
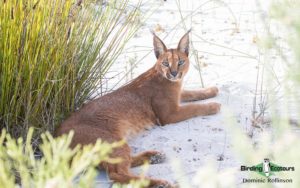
(60,166)
(287,13)
(53,55)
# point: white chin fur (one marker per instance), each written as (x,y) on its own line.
(174,79)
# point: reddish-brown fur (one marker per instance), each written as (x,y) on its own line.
(153,98)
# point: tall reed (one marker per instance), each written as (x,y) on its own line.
(53,55)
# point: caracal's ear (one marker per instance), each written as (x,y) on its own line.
(184,42)
(159,46)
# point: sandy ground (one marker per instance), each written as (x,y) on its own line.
(224,45)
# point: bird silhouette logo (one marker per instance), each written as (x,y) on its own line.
(267,167)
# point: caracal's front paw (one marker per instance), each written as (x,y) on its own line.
(213,108)
(157,157)
(212,91)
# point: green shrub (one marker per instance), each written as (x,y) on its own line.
(60,166)
(287,13)
(53,55)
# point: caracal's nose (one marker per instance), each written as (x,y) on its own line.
(174,73)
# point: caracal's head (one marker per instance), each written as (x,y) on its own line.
(172,64)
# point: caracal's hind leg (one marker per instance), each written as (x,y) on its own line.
(120,172)
(153,157)
(194,95)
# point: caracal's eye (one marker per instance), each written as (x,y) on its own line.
(180,62)
(165,63)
